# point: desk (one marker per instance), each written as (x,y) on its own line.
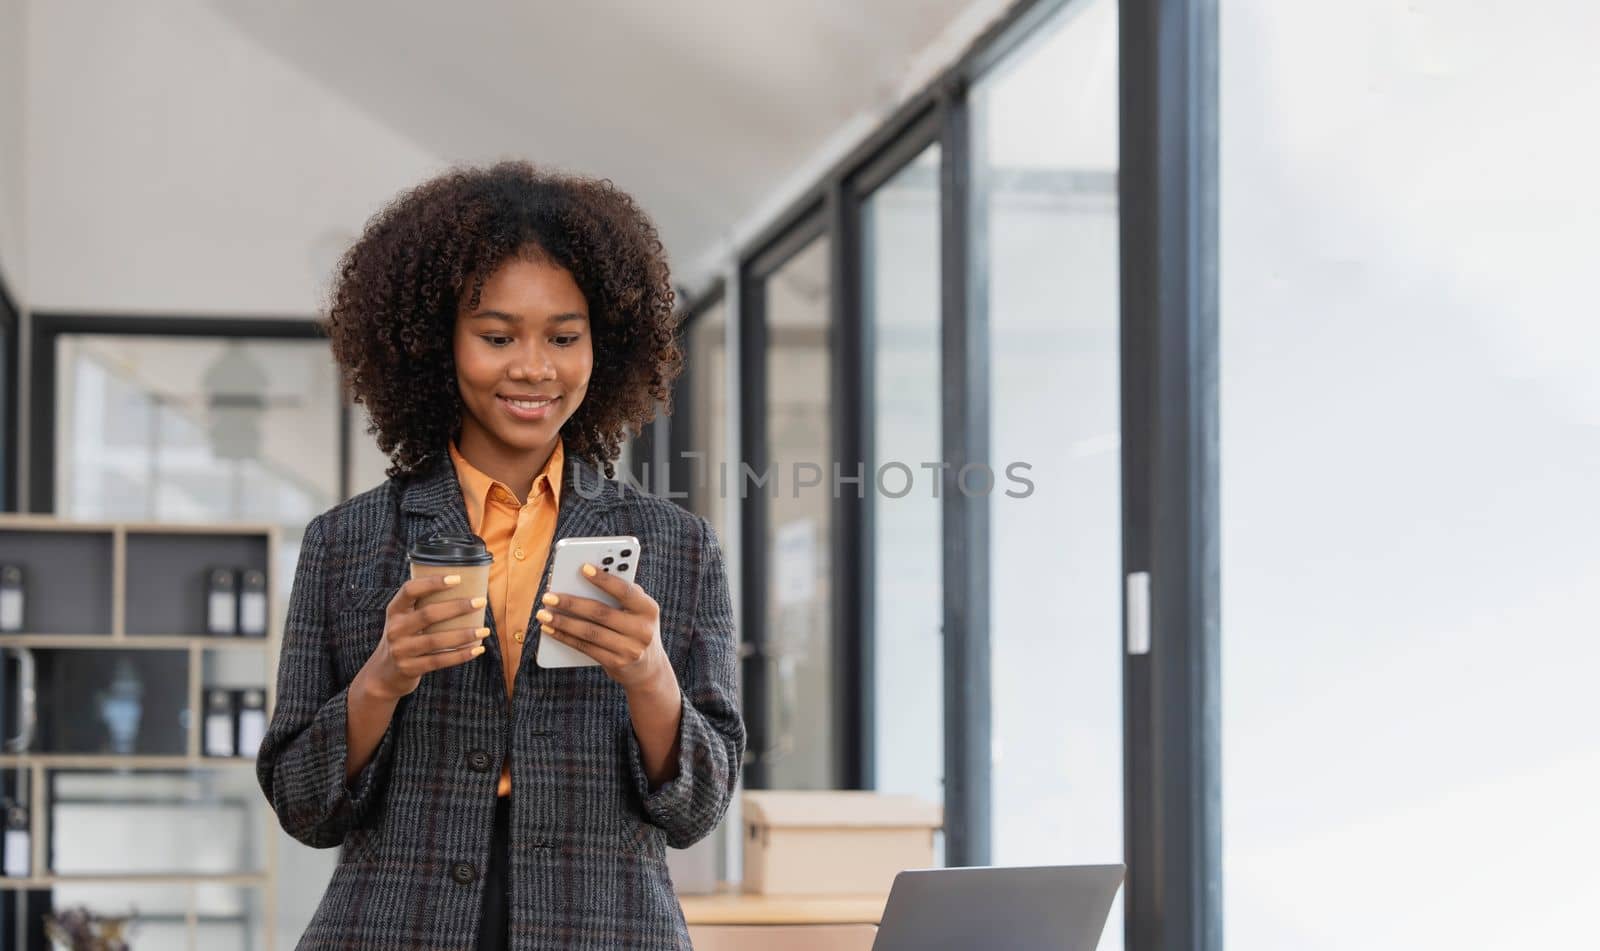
(735,922)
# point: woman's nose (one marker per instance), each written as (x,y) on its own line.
(535,365)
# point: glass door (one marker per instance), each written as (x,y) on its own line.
(1045,254)
(900,294)
(801,707)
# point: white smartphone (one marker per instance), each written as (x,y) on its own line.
(617,554)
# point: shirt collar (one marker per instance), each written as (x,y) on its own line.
(477,488)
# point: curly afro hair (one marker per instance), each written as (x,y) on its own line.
(393,310)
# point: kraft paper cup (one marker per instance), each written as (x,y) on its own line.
(464,555)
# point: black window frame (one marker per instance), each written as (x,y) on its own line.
(1168,195)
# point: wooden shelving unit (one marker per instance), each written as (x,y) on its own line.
(142,642)
(242,880)
(106,761)
(138,589)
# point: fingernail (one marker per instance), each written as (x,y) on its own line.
(589,570)
(544,616)
(482,633)
(551,600)
(478,650)
(452,579)
(547,629)
(479,602)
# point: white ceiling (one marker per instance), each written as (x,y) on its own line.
(707,112)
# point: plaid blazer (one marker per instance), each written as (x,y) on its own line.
(587,866)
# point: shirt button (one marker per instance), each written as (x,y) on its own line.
(478,761)
(519,635)
(464,874)
(519,554)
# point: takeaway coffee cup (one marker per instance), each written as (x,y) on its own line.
(463,555)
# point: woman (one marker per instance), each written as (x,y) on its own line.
(504,328)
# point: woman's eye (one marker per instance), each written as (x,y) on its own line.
(566,340)
(496,341)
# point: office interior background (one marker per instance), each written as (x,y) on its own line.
(1285,307)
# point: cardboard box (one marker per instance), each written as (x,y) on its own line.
(834,843)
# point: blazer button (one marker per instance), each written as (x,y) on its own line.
(464,874)
(478,761)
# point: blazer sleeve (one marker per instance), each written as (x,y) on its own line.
(301,763)
(711,734)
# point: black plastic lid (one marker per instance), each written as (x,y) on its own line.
(451,550)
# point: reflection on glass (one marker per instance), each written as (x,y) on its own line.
(707,362)
(900,273)
(127,702)
(197,429)
(799,437)
(1045,189)
(1410,449)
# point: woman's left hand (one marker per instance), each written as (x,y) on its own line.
(625,640)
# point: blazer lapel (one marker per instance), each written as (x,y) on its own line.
(586,502)
(434,498)
(433,505)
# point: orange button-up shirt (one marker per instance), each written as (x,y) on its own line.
(519,535)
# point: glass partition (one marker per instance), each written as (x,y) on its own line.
(799,642)
(900,283)
(1045,251)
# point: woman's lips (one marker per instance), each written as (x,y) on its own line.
(528,410)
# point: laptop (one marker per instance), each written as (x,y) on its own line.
(1057,908)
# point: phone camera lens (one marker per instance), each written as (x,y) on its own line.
(626,552)
(607,560)
(623,567)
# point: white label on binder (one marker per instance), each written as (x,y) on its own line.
(253,613)
(219,734)
(220,620)
(11,610)
(18,856)
(252,727)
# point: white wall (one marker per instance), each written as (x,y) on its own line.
(189,170)
(13,269)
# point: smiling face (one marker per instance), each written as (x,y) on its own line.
(523,360)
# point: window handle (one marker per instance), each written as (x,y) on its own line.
(1138,612)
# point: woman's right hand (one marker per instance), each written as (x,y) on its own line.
(404,653)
